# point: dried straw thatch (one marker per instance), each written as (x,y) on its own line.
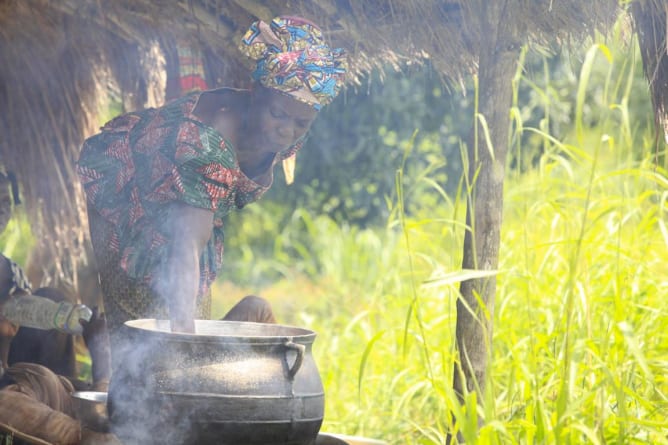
(649,17)
(61,58)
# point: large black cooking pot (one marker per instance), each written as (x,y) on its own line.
(238,383)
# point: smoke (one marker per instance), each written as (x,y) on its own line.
(144,406)
(138,411)
(167,387)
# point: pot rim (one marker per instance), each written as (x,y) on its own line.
(92,397)
(248,331)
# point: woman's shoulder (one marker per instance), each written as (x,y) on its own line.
(199,105)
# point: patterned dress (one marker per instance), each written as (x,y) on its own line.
(131,170)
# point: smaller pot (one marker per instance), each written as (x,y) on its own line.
(90,407)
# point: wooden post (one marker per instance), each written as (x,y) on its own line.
(498,60)
(650,19)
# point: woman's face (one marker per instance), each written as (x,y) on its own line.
(276,121)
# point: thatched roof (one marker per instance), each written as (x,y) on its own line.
(61,58)
(649,17)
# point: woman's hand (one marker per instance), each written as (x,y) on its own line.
(94,329)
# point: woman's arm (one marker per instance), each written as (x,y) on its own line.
(177,282)
(96,337)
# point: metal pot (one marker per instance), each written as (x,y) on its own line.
(238,383)
(90,407)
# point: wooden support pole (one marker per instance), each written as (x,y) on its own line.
(487,150)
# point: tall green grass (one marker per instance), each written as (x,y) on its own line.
(580,344)
(580,340)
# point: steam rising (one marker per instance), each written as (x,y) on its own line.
(140,409)
(137,413)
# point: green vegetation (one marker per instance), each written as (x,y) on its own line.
(580,340)
(16,240)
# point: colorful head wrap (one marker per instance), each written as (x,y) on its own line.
(290,55)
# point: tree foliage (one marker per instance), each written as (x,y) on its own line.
(347,167)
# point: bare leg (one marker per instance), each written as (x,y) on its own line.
(251,308)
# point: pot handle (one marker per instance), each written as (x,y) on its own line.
(300,349)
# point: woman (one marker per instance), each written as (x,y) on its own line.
(160,181)
(49,348)
(37,369)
